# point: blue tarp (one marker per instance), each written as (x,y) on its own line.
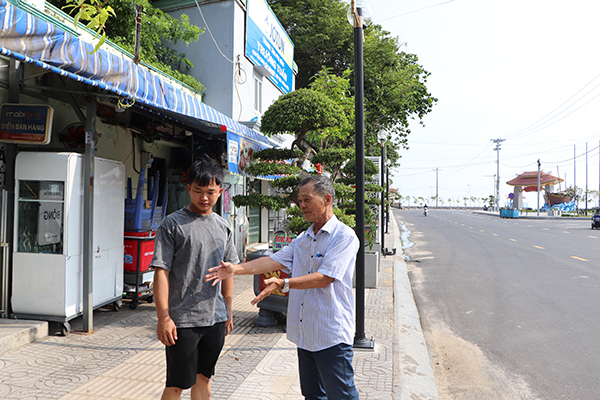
(30,39)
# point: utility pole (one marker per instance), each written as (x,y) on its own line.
(437,194)
(498,142)
(494,191)
(539,172)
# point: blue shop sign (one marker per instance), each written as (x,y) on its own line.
(268,45)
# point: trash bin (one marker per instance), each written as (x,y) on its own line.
(276,302)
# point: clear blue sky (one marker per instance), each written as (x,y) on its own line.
(527,71)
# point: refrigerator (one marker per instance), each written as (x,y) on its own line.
(47,280)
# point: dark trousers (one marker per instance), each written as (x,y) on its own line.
(327,374)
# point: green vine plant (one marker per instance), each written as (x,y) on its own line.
(96,13)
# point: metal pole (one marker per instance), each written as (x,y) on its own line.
(360,339)
(575,177)
(383,251)
(88,216)
(498,142)
(539,187)
(4,247)
(586,178)
(387,197)
(437,195)
(9,155)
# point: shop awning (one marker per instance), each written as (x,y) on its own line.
(31,39)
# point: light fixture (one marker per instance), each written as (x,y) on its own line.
(367,13)
(382,136)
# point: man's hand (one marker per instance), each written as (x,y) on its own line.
(166,332)
(271,285)
(218,274)
(228,326)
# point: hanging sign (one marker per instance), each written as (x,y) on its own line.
(26,123)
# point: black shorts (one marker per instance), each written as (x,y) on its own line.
(196,351)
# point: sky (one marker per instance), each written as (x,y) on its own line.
(526,71)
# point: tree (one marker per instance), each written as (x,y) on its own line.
(159,30)
(395,90)
(318,118)
(300,112)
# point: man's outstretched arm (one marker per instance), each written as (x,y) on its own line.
(226,270)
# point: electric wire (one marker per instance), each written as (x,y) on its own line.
(526,130)
(211,35)
(414,11)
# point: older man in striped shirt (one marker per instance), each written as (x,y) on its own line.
(320,319)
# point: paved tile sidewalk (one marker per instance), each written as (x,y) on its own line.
(123,359)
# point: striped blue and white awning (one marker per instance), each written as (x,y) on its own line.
(31,39)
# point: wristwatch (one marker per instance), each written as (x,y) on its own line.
(286,285)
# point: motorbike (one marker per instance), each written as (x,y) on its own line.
(425,211)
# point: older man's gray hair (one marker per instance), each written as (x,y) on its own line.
(323,185)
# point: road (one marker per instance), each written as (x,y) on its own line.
(510,307)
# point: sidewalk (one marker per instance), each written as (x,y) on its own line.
(122,358)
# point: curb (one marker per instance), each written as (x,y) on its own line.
(15,333)
(413,371)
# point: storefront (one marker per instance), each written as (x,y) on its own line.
(106,105)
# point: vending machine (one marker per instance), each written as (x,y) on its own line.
(47,278)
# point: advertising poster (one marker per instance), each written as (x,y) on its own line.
(239,153)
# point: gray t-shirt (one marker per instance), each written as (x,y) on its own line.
(188,244)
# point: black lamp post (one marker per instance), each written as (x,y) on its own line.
(387,195)
(356,15)
(382,136)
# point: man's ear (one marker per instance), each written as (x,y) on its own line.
(328,199)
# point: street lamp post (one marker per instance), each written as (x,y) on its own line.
(356,12)
(382,136)
(387,195)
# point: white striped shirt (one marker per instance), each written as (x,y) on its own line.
(323,317)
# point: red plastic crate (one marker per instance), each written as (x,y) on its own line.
(142,242)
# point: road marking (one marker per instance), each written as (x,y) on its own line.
(481,230)
(580,259)
(539,247)
(462,224)
(513,240)
(494,234)
(594,237)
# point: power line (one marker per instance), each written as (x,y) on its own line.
(525,130)
(414,11)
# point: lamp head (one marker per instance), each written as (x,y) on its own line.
(363,10)
(382,136)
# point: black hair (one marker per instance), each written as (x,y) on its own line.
(205,171)
(323,185)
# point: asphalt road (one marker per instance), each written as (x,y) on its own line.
(522,293)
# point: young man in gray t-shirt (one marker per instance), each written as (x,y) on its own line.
(193,316)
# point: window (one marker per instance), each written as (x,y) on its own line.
(258,93)
(41,219)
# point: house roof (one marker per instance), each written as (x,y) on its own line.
(529,180)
